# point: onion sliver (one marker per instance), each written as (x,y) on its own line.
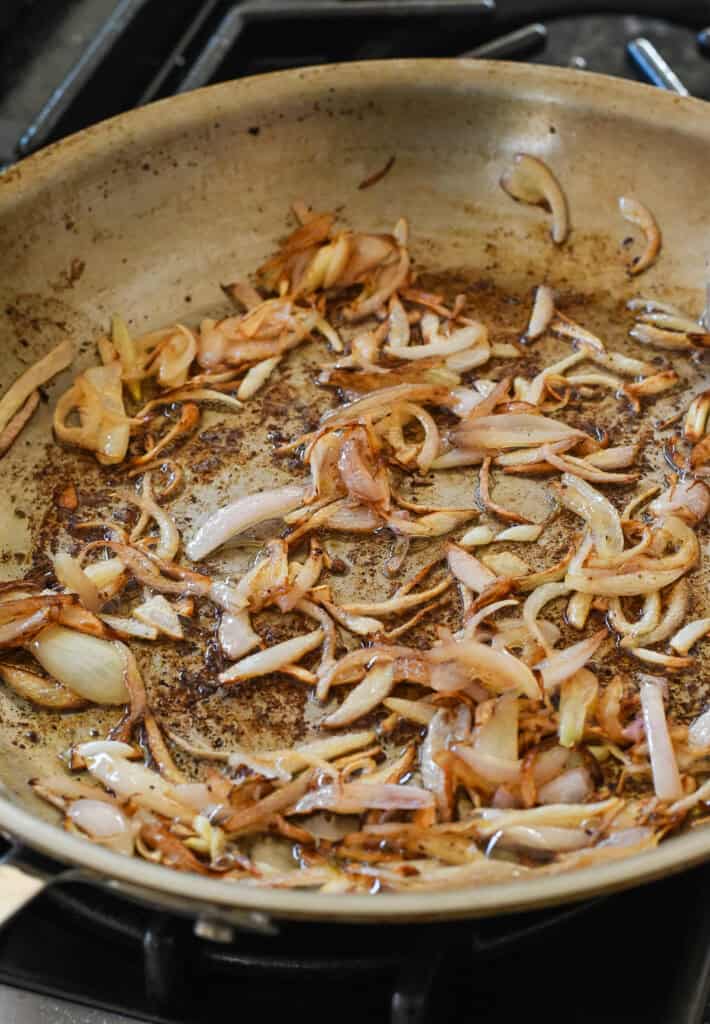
(373,689)
(273,658)
(493,770)
(689,635)
(512,430)
(572,787)
(72,577)
(600,515)
(542,312)
(354,797)
(699,731)
(240,515)
(97,818)
(497,670)
(88,666)
(468,570)
(666,777)
(629,584)
(534,605)
(576,698)
(562,665)
(531,181)
(56,360)
(236,636)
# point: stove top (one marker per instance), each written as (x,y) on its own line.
(78,955)
(639,957)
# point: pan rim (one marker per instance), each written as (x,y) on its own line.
(610,98)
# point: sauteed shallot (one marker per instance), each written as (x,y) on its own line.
(486,718)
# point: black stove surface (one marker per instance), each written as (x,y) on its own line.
(639,956)
(633,957)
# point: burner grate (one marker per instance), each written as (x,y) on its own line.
(148,50)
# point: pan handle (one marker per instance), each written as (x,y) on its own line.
(24,874)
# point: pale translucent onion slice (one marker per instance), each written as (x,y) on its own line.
(542,840)
(632,583)
(490,820)
(71,576)
(689,498)
(522,533)
(531,181)
(443,345)
(583,470)
(98,819)
(233,519)
(127,627)
(577,697)
(542,312)
(689,635)
(91,667)
(506,564)
(256,377)
(512,430)
(273,658)
(534,605)
(377,684)
(647,621)
(619,457)
(439,734)
(417,711)
(490,768)
(398,603)
(497,670)
(600,515)
(666,777)
(572,787)
(578,609)
(699,731)
(477,536)
(669,341)
(468,569)
(498,736)
(671,620)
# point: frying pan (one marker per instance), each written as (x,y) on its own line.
(146,213)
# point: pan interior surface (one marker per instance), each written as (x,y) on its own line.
(147,214)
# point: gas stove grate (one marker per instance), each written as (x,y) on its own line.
(149,50)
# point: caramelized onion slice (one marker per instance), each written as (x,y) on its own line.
(373,689)
(636,213)
(562,665)
(56,360)
(497,670)
(38,690)
(531,181)
(273,658)
(600,515)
